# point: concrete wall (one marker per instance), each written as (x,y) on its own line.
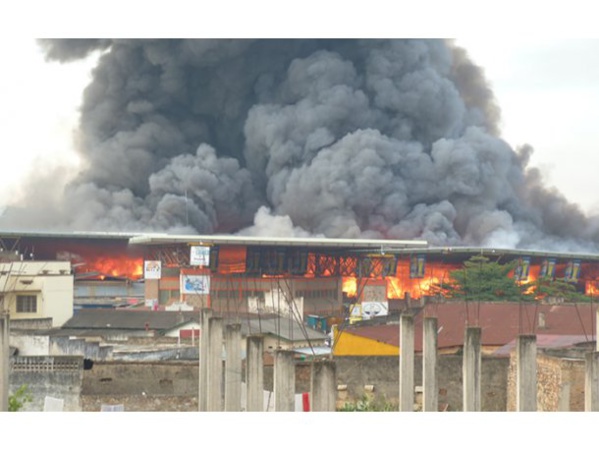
(147,378)
(52,376)
(173,385)
(30,324)
(560,383)
(148,386)
(63,345)
(382,374)
(32,345)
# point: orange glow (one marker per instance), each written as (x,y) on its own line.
(232,259)
(416,287)
(349,286)
(116,266)
(591,288)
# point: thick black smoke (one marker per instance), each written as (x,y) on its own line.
(338,138)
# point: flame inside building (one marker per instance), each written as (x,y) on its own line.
(254,274)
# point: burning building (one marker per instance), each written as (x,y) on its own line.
(292,277)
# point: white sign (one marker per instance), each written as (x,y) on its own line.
(152,270)
(199,256)
(195,284)
(374,309)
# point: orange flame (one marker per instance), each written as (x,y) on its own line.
(349,286)
(116,266)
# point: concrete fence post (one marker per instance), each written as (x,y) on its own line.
(215,366)
(406,363)
(591,382)
(526,373)
(430,394)
(4,360)
(254,373)
(233,367)
(284,381)
(323,386)
(471,370)
(205,315)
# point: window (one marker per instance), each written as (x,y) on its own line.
(26,303)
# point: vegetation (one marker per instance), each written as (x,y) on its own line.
(548,287)
(484,280)
(19,398)
(367,404)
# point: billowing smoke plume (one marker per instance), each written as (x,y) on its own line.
(338,138)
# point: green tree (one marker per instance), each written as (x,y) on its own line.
(17,400)
(484,280)
(547,287)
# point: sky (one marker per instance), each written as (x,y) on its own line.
(546,84)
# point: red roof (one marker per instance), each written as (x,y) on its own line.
(500,322)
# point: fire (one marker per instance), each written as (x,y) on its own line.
(117,266)
(349,286)
(397,288)
(591,288)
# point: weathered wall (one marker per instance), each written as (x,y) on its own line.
(142,386)
(560,383)
(33,345)
(382,372)
(52,376)
(30,324)
(147,378)
(30,345)
(63,345)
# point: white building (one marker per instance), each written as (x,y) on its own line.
(37,290)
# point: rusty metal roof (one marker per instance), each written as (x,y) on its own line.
(500,323)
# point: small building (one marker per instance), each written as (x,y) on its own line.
(37,290)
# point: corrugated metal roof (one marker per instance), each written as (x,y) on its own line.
(127,319)
(100,290)
(135,320)
(289,330)
(500,323)
(375,244)
(461,253)
(547,341)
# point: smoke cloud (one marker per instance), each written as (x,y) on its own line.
(337,138)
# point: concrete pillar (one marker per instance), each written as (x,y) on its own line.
(205,315)
(591,382)
(233,367)
(430,395)
(406,363)
(597,331)
(4,361)
(471,370)
(254,373)
(215,366)
(284,381)
(526,373)
(323,386)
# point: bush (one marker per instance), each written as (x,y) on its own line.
(367,403)
(19,398)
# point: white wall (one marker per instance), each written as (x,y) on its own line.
(30,345)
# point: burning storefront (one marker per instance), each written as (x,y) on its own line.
(294,277)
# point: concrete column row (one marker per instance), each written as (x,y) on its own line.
(526,373)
